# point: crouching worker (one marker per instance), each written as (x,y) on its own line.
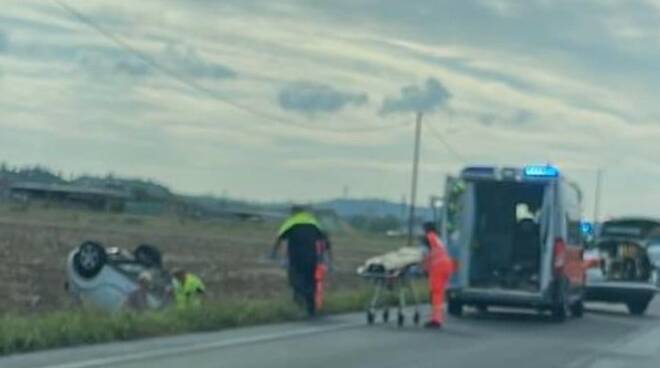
(138,299)
(439,268)
(189,290)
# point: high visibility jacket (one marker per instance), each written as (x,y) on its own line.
(302,218)
(189,293)
(306,242)
(438,264)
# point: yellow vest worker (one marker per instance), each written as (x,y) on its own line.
(188,290)
(307,247)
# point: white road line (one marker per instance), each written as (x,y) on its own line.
(158,353)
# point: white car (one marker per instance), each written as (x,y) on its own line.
(104,277)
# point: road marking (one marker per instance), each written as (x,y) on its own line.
(158,353)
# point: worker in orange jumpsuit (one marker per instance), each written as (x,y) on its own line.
(439,267)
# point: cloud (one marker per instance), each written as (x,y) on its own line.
(111,62)
(427,98)
(514,118)
(310,98)
(4,41)
(187,60)
(184,60)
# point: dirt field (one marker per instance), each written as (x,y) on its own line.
(34,244)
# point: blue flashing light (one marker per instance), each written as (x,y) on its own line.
(541,171)
(587,228)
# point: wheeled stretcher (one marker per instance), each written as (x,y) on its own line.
(393,274)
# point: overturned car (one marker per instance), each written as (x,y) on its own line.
(624,263)
(103,277)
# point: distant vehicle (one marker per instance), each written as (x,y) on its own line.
(625,263)
(516,234)
(103,277)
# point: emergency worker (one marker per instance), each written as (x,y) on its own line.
(138,299)
(308,252)
(439,267)
(189,289)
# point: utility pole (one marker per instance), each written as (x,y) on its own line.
(599,180)
(404,207)
(413,189)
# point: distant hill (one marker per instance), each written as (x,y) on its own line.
(348,208)
(36,174)
(148,191)
(138,189)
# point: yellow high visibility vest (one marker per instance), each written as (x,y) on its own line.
(189,293)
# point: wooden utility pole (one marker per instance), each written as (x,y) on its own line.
(413,189)
(599,180)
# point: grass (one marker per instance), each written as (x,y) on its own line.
(34,243)
(226,254)
(20,334)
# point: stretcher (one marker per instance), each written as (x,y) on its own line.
(392,274)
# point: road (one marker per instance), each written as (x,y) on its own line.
(606,337)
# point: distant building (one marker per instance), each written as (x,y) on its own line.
(94,198)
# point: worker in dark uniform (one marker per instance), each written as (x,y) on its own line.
(308,254)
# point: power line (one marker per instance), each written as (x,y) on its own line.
(200,88)
(453,151)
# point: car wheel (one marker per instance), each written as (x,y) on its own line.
(90,259)
(455,308)
(148,255)
(638,308)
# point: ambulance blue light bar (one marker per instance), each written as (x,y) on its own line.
(541,172)
(587,228)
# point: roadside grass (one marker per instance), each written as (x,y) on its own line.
(21,334)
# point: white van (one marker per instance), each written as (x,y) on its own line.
(516,236)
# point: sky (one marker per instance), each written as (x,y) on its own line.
(300,99)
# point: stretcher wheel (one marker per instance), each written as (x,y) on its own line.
(416,318)
(401,320)
(386,315)
(370,317)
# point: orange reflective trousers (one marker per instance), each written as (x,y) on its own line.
(439,267)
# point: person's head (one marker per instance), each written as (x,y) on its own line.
(179,274)
(144,279)
(296,209)
(429,227)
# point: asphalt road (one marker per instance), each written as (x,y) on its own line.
(607,337)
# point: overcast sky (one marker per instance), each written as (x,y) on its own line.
(277,100)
